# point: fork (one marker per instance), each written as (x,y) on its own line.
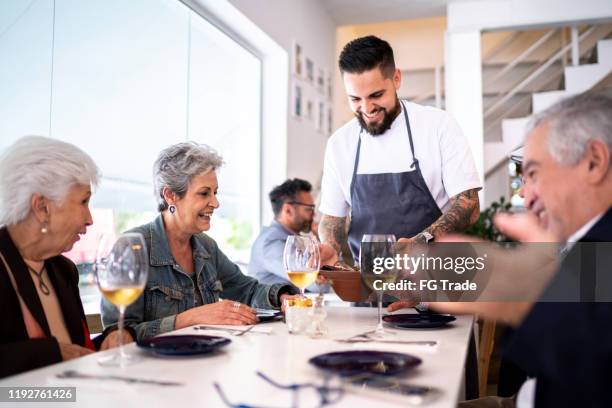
(129,380)
(233,332)
(248,329)
(362,335)
(430,343)
(225,329)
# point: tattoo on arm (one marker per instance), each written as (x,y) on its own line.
(333,231)
(463,212)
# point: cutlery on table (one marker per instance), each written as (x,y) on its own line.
(225,329)
(129,380)
(233,332)
(429,343)
(248,329)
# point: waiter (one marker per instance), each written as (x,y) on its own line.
(397,167)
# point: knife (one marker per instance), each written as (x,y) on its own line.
(429,343)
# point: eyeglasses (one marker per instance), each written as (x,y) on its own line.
(311,207)
(327,395)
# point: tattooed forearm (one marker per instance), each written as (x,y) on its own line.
(464,211)
(333,231)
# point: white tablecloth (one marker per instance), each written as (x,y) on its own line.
(280,355)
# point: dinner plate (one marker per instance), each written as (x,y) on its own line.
(183,345)
(418,321)
(356,362)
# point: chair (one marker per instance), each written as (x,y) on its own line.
(485,349)
(94,323)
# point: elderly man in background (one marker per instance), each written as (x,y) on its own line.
(293,208)
(45,187)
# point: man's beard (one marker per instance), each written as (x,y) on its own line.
(377,129)
(304,225)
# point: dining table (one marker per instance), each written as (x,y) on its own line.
(195,381)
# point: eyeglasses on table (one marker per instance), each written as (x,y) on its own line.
(327,394)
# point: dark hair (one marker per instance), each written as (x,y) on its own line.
(286,192)
(366,53)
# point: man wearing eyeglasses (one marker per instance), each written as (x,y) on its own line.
(294,210)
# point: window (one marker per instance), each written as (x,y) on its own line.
(123,80)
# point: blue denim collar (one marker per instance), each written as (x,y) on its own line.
(160,253)
(199,250)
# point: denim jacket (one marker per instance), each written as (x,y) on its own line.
(170,291)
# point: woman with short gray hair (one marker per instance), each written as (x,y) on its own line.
(188,273)
(176,165)
(45,186)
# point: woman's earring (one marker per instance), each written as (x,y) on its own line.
(44,228)
(172,208)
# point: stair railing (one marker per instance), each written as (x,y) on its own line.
(523,83)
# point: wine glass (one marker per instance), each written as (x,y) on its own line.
(301,260)
(121,270)
(377,246)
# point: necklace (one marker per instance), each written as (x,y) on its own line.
(41,284)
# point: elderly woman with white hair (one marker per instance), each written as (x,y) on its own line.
(45,187)
(188,273)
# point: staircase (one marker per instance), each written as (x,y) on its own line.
(536,77)
(577,79)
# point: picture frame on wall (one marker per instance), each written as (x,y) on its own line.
(320,122)
(298,59)
(330,121)
(297,107)
(329,84)
(320,82)
(309,69)
(309,109)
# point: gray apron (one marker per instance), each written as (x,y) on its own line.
(390,203)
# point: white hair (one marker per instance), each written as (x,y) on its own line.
(178,164)
(573,122)
(40,165)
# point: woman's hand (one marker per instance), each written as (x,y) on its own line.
(70,351)
(112,339)
(222,312)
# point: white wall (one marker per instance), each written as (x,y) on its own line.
(307,22)
(497,185)
(463,86)
(512,14)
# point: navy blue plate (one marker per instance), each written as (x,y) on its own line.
(183,345)
(266,315)
(356,362)
(418,321)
